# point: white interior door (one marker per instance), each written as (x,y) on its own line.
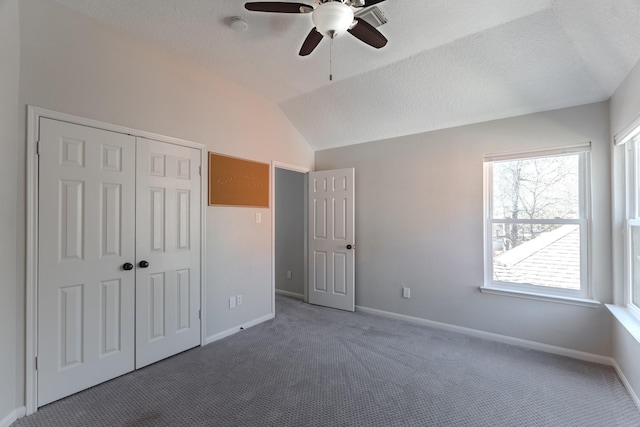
(86,236)
(168,241)
(331,238)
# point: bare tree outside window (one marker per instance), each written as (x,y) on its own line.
(542,188)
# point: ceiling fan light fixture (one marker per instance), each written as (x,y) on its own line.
(332,19)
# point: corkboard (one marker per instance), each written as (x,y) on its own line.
(237,182)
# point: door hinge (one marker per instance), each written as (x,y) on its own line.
(200,170)
(36,363)
(37,148)
(200,314)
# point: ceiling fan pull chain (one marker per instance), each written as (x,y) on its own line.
(331,61)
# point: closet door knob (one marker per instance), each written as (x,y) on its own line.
(143,264)
(127,266)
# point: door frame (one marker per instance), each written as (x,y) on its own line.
(32,194)
(294,168)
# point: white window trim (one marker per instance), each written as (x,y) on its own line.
(626,314)
(629,132)
(631,210)
(628,318)
(583,302)
(543,152)
(582,297)
(628,223)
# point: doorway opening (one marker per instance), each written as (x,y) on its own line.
(290,231)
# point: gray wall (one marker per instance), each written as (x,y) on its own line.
(9,140)
(289,238)
(419,223)
(625,106)
(74,64)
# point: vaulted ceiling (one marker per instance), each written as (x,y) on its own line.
(447,63)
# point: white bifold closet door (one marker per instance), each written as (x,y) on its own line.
(108,202)
(86,234)
(168,239)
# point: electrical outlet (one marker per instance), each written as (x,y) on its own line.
(232,302)
(258,218)
(289,274)
(406,293)
(239,299)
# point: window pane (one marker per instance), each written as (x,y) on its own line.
(542,188)
(633,187)
(537,254)
(635,265)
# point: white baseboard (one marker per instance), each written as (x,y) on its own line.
(9,419)
(290,294)
(236,329)
(626,383)
(575,354)
(21,412)
(13,416)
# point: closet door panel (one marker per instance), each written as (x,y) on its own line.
(85,236)
(168,239)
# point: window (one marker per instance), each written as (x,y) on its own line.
(626,232)
(536,223)
(632,235)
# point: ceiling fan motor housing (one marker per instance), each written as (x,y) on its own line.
(332,18)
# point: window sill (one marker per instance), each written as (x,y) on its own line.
(584,302)
(627,319)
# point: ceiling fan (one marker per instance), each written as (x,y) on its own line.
(330,17)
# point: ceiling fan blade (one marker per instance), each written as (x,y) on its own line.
(368,3)
(365,32)
(310,43)
(364,3)
(278,7)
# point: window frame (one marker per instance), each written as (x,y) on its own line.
(631,188)
(624,312)
(582,296)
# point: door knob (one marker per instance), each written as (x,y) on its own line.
(143,264)
(351,246)
(127,266)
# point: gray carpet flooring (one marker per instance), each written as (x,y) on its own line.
(312,366)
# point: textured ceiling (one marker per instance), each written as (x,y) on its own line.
(447,63)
